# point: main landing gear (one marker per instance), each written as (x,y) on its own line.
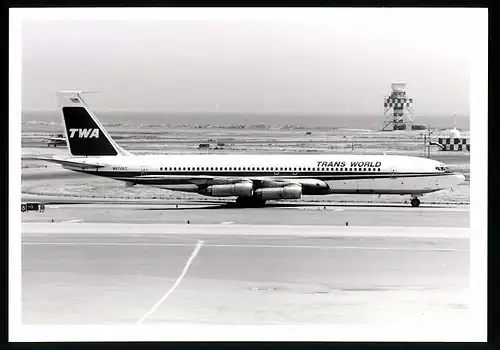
(249,202)
(415,202)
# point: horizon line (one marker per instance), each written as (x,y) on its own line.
(284,113)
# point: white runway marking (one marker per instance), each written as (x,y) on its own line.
(72,221)
(41,228)
(227,223)
(339,209)
(247,246)
(177,282)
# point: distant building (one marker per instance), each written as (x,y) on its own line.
(454,144)
(398,109)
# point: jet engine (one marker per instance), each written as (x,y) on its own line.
(237,189)
(287,192)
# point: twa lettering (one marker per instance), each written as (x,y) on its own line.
(366,164)
(84,133)
(353,164)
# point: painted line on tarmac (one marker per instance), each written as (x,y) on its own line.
(179,230)
(72,221)
(177,282)
(227,222)
(246,246)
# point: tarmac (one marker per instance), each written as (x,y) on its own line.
(234,274)
(277,213)
(112,261)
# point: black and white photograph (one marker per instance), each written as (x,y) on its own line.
(248,174)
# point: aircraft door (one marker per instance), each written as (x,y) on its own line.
(393,172)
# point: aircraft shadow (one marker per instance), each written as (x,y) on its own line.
(232,205)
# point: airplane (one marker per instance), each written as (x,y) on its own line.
(252,178)
(59,139)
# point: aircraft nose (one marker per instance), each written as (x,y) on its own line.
(459,178)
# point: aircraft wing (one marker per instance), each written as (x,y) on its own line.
(207,180)
(79,165)
(56,139)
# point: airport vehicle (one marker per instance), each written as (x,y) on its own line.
(252,179)
(32,207)
(56,140)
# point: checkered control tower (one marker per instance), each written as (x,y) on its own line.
(398,109)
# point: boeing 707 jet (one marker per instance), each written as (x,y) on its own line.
(251,178)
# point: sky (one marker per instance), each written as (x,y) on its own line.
(335,62)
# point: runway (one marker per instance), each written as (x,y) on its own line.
(98,273)
(180,212)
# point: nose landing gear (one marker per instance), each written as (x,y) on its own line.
(415,202)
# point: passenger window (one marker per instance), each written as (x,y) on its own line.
(378,169)
(225,168)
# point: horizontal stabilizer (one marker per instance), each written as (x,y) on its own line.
(80,165)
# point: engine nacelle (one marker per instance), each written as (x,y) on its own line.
(237,189)
(287,192)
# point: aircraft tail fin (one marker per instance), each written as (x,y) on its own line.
(84,133)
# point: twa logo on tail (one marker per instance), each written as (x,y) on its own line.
(84,133)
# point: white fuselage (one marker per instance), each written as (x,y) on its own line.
(376,174)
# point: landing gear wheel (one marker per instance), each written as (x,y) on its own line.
(249,202)
(415,202)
